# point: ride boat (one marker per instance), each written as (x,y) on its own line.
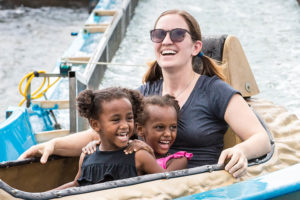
(272,175)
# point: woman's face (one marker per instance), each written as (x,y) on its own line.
(171,54)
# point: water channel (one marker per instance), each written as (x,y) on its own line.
(269,31)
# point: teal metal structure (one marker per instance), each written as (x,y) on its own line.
(16,135)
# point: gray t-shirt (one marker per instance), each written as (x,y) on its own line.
(201,125)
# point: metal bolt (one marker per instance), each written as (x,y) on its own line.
(248,87)
(167,175)
(210,168)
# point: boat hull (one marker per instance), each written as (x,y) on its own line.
(283,126)
(29,179)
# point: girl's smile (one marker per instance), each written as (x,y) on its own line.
(160,129)
(115,124)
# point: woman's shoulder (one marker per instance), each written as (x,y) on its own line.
(210,81)
(213,83)
(151,88)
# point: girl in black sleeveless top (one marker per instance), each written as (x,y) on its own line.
(111,113)
(156,125)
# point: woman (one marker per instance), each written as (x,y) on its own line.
(207,103)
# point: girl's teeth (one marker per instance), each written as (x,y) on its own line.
(165,142)
(123,138)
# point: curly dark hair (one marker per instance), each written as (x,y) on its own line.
(89,102)
(162,101)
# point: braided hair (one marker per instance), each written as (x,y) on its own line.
(162,101)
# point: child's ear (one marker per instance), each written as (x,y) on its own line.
(140,130)
(95,125)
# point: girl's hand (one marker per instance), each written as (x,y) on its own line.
(136,145)
(91,147)
(237,162)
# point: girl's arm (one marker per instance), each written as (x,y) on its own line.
(177,164)
(70,145)
(136,145)
(146,164)
(245,124)
(73,183)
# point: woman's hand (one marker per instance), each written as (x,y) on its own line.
(45,150)
(235,161)
(91,147)
(136,145)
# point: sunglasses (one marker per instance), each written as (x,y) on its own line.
(176,35)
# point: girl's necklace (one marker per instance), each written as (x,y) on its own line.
(184,89)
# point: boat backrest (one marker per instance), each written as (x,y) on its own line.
(213,46)
(237,69)
(228,51)
(12,143)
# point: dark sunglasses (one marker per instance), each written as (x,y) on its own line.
(176,35)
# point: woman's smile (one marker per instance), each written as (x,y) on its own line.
(169,53)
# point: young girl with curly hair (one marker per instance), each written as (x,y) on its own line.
(111,113)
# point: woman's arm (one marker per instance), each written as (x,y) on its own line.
(70,145)
(73,183)
(245,124)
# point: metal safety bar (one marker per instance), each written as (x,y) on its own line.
(72,96)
